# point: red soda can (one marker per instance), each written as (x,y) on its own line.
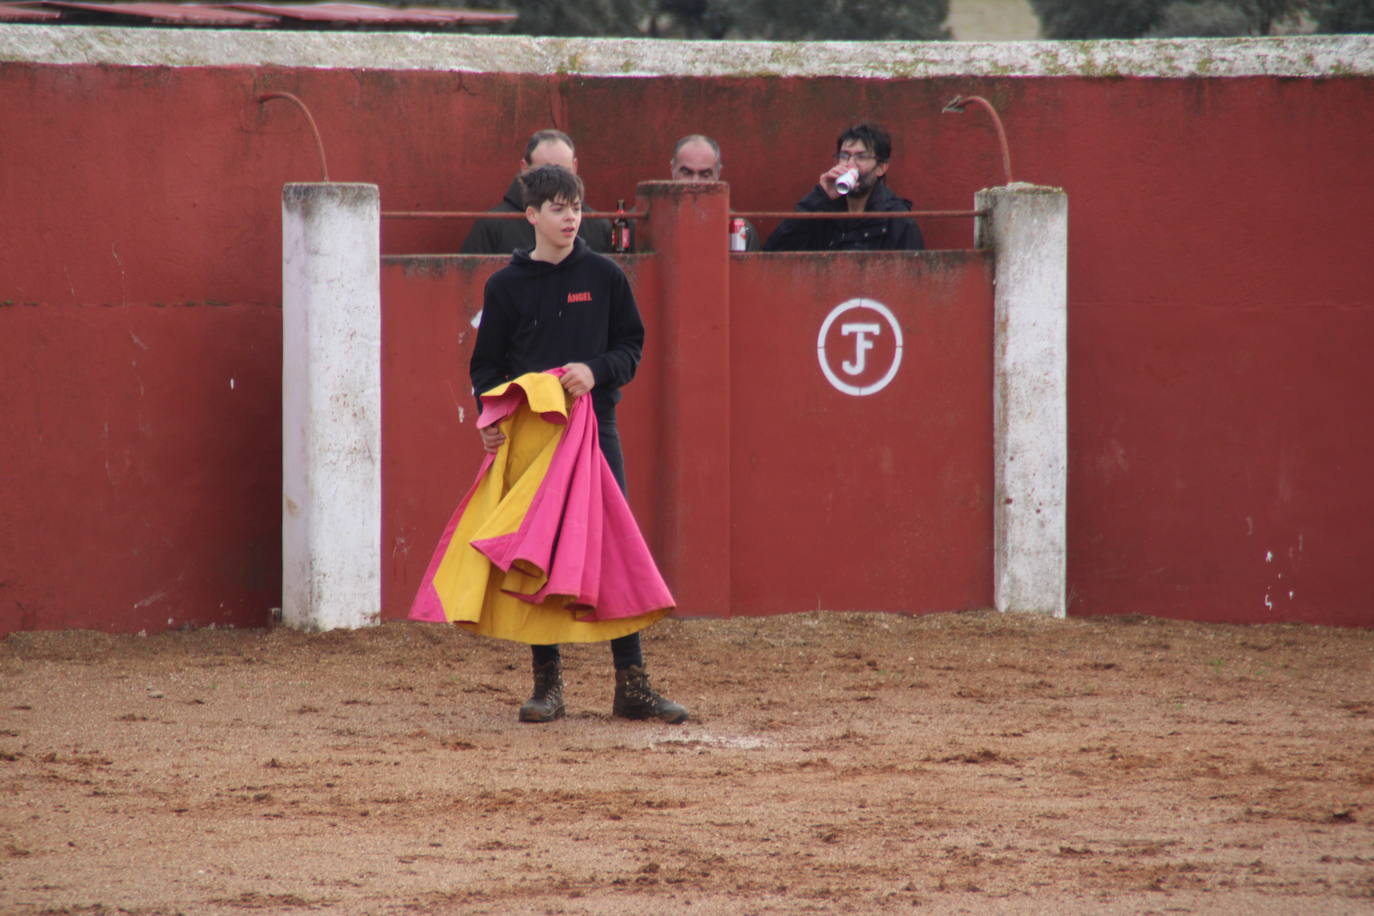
(738,242)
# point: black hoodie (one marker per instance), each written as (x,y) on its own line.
(848,234)
(502,236)
(537,315)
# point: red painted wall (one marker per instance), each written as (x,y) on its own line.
(833,501)
(880,502)
(141,464)
(761,487)
(1219,300)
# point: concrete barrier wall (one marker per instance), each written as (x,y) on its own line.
(768,475)
(1218,305)
(139,466)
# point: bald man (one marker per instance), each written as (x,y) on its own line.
(503,236)
(696,157)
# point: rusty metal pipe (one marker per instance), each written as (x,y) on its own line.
(746,214)
(463,214)
(891,214)
(956,106)
(310,119)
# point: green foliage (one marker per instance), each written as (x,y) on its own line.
(1208,19)
(840,20)
(1344,15)
(1265,14)
(782,20)
(692,19)
(914,20)
(1081,19)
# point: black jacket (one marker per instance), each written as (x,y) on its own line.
(503,236)
(848,234)
(537,315)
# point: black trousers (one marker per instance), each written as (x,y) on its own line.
(625,651)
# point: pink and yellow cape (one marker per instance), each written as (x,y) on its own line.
(543,549)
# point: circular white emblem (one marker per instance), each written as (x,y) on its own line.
(862,338)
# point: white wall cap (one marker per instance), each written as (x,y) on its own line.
(1291,56)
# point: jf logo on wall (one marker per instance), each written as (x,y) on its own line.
(860,347)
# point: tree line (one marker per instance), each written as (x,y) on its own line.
(1082,19)
(921,20)
(774,20)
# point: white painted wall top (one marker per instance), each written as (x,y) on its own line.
(1300,56)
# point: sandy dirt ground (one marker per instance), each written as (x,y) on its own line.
(949,763)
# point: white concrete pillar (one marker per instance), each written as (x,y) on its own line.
(1027,229)
(331,406)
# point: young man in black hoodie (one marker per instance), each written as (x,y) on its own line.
(560,304)
(865,149)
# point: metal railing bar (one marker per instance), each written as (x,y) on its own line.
(745,214)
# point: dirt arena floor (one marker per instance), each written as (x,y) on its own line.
(950,763)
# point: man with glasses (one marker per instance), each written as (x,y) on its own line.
(865,149)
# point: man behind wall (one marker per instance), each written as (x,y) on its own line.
(696,157)
(503,236)
(865,148)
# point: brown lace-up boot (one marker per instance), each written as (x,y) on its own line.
(547,702)
(635,699)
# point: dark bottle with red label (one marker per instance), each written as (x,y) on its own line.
(622,230)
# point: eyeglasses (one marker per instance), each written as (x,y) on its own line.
(854,157)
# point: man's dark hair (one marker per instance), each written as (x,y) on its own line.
(878,141)
(550,182)
(543,136)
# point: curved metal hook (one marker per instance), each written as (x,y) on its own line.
(956,105)
(310,119)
